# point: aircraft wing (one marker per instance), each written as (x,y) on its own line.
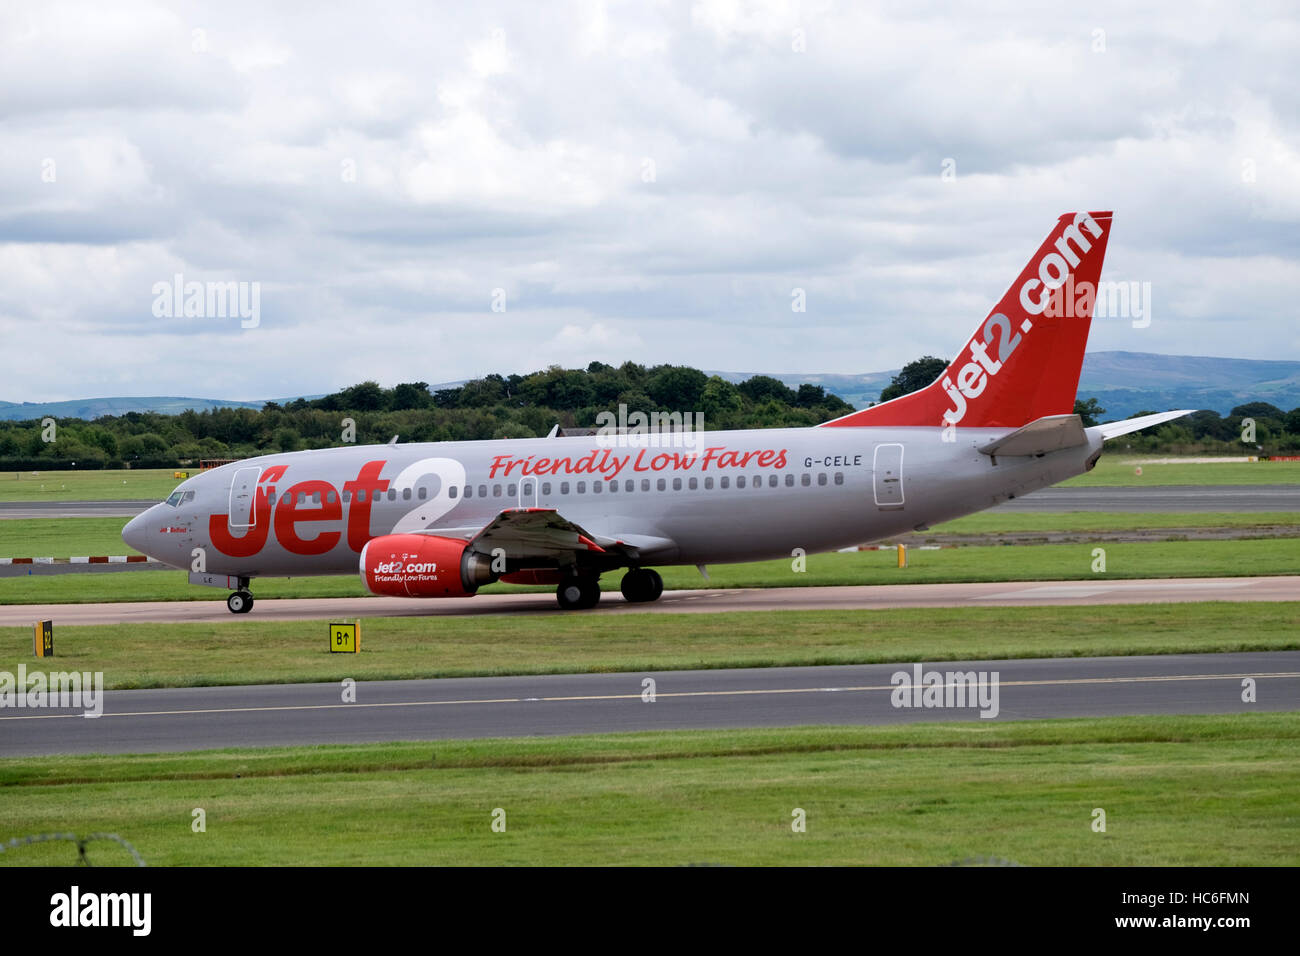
(546,536)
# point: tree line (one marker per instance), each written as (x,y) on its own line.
(524,406)
(495,406)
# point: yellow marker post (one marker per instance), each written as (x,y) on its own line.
(345,638)
(902,555)
(43,642)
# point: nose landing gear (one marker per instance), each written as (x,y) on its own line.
(240,602)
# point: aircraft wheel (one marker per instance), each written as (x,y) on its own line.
(578,593)
(641,585)
(239,602)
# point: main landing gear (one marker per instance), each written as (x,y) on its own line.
(582,591)
(641,585)
(578,593)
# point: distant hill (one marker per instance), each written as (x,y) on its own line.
(1123,382)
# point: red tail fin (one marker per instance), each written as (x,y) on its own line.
(1023,363)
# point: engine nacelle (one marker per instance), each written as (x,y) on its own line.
(423,565)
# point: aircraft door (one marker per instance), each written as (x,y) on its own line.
(528,492)
(243,498)
(887,476)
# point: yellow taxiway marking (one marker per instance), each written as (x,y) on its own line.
(637,696)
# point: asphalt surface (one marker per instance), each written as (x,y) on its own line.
(147,721)
(853,598)
(73,509)
(1186,499)
(1160,498)
(46,570)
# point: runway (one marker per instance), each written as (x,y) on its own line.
(73,509)
(1186,499)
(287,714)
(851,598)
(1156,498)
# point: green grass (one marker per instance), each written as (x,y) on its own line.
(1178,791)
(248,651)
(152,484)
(1003,522)
(1116,467)
(62,537)
(1047,562)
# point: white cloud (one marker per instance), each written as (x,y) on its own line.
(646,182)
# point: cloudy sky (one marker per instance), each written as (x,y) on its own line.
(645,181)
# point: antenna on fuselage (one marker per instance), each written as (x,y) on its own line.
(555,430)
(393,440)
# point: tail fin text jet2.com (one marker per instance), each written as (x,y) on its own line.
(444,519)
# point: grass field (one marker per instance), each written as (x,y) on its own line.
(1117,467)
(1177,791)
(248,651)
(62,537)
(1047,562)
(153,484)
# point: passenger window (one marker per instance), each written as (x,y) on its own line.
(821,478)
(270,497)
(708,484)
(302,498)
(423,493)
(452,491)
(482,491)
(546,489)
(329,497)
(740,481)
(725,481)
(693,483)
(392,494)
(361,494)
(839,477)
(528,489)
(512,491)
(596,487)
(805,479)
(496,491)
(613,486)
(771,481)
(630,485)
(406,494)
(564,487)
(645,484)
(582,487)
(469,491)
(677,484)
(661,484)
(347,497)
(789,481)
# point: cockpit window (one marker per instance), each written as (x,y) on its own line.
(187,498)
(174,499)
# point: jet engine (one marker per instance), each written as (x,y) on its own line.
(423,565)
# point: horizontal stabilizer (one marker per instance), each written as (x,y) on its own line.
(1115,429)
(1040,436)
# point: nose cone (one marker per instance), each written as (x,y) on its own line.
(135,535)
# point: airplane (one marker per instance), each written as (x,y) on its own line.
(443,519)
